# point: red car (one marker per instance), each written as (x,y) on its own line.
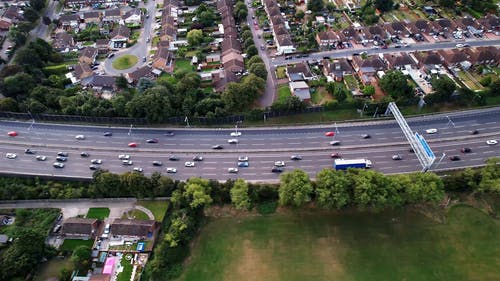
(132,144)
(329,134)
(335,155)
(12,133)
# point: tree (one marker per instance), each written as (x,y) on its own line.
(194,37)
(197,193)
(384,5)
(443,88)
(17,36)
(332,189)
(300,14)
(38,5)
(239,195)
(207,18)
(144,84)
(422,187)
(247,34)
(252,60)
(247,43)
(369,90)
(81,257)
(251,51)
(315,5)
(259,69)
(490,176)
(295,188)
(121,82)
(240,11)
(31,15)
(17,85)
(8,104)
(395,83)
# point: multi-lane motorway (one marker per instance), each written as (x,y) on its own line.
(263,146)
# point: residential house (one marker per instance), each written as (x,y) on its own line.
(377,32)
(428,60)
(136,228)
(352,34)
(300,89)
(82,71)
(5,24)
(133,17)
(145,71)
(398,61)
(367,68)
(337,68)
(300,72)
(14,14)
(327,38)
(233,62)
(397,28)
(102,45)
(491,24)
(91,17)
(69,21)
(484,55)
(88,55)
(453,57)
(112,16)
(215,57)
(419,27)
(284,44)
(63,41)
(80,227)
(164,60)
(119,37)
(231,44)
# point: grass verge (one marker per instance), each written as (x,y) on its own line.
(283,92)
(97,213)
(125,62)
(72,244)
(157,207)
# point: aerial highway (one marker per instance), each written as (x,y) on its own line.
(263,146)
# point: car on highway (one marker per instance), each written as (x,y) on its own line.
(233,141)
(63,154)
(171,170)
(466,150)
(232,170)
(96,161)
(454,158)
(58,165)
(474,132)
(235,134)
(84,154)
(397,157)
(80,137)
(124,157)
(11,155)
(152,140)
(137,169)
(296,157)
(431,131)
(365,136)
(276,169)
(108,134)
(411,150)
(157,163)
(127,162)
(491,142)
(12,134)
(242,158)
(189,164)
(198,158)
(29,151)
(329,134)
(132,144)
(335,142)
(243,164)
(41,157)
(217,146)
(94,167)
(169,134)
(279,163)
(61,159)
(173,158)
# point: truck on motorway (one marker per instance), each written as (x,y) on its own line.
(343,164)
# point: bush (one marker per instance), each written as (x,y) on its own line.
(59,69)
(267,207)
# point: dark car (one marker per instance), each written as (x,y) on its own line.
(84,154)
(466,150)
(411,150)
(296,157)
(365,136)
(397,157)
(335,155)
(93,167)
(454,158)
(169,134)
(218,146)
(157,163)
(63,154)
(276,169)
(108,134)
(198,158)
(474,132)
(61,159)
(152,140)
(29,151)
(173,158)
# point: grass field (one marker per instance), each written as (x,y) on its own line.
(125,62)
(157,207)
(97,213)
(127,270)
(51,268)
(183,64)
(392,245)
(283,92)
(72,244)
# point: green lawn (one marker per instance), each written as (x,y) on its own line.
(320,96)
(183,64)
(137,214)
(97,213)
(51,268)
(283,92)
(390,245)
(127,270)
(157,207)
(72,244)
(280,72)
(125,62)
(351,82)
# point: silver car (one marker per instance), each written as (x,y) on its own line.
(232,170)
(171,170)
(127,162)
(58,165)
(189,164)
(124,157)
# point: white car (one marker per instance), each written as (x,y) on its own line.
(189,164)
(491,142)
(459,45)
(80,137)
(232,141)
(124,157)
(431,131)
(335,142)
(127,162)
(11,155)
(235,134)
(171,170)
(137,169)
(58,165)
(232,170)
(41,157)
(243,159)
(96,161)
(279,163)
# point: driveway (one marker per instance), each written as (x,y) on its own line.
(140,49)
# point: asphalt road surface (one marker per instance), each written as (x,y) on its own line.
(263,146)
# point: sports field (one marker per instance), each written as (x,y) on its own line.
(394,245)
